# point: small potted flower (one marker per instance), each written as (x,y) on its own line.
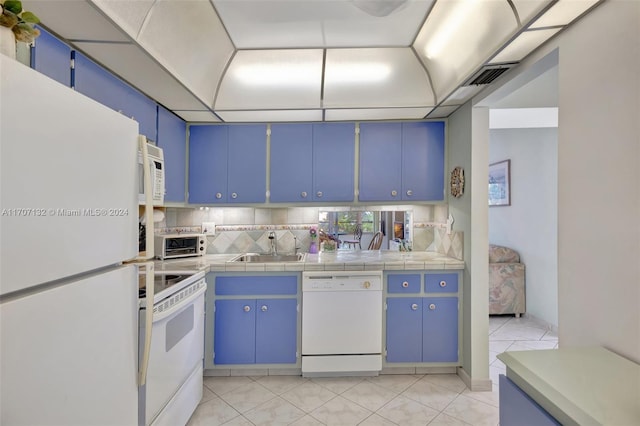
(20,22)
(313,233)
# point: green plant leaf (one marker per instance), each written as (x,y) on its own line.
(30,17)
(14,6)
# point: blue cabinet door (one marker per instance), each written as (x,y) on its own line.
(291,154)
(404,329)
(518,409)
(52,57)
(208,164)
(423,161)
(380,159)
(235,331)
(247,163)
(333,161)
(142,109)
(440,329)
(172,133)
(276,331)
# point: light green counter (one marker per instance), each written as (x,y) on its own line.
(579,386)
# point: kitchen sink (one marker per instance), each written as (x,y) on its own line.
(268,258)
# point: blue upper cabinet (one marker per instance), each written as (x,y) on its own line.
(208,164)
(172,134)
(99,84)
(402,161)
(312,162)
(423,161)
(333,161)
(52,57)
(291,156)
(227,164)
(380,158)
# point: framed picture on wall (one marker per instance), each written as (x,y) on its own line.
(500,183)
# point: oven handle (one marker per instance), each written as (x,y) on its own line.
(179,306)
(149,286)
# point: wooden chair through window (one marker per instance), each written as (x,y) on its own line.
(376,241)
(357,238)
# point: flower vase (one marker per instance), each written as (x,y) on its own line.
(7,42)
(313,247)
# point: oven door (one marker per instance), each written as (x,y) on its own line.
(177,349)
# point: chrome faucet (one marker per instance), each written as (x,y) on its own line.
(274,243)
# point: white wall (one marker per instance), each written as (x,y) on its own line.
(530,224)
(468,137)
(599,178)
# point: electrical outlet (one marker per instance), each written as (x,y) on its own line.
(209,228)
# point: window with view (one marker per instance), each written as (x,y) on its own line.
(344,223)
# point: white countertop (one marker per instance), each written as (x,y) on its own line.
(357,260)
(579,386)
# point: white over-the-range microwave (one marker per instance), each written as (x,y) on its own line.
(156,171)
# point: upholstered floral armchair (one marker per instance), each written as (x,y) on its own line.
(506,281)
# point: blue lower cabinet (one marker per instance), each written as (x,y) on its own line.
(235,331)
(276,331)
(440,329)
(517,408)
(404,329)
(422,329)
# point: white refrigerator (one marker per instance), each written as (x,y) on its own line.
(68,300)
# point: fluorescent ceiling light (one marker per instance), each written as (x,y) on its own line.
(355,114)
(270,116)
(453,23)
(367,72)
(524,44)
(563,12)
(290,74)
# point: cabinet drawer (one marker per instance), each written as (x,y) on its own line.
(403,283)
(441,283)
(255,285)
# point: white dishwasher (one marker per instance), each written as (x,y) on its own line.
(341,323)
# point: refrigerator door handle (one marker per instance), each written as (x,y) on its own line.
(149,285)
(148,195)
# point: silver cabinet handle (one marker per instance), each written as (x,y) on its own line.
(303,194)
(414,307)
(405,284)
(319,194)
(218,195)
(394,193)
(409,193)
(234,195)
(246,308)
(264,308)
(432,307)
(443,283)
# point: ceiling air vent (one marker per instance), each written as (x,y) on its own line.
(487,74)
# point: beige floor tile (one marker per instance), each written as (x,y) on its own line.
(431,395)
(211,413)
(449,381)
(276,411)
(308,396)
(395,382)
(338,385)
(444,420)
(248,396)
(369,395)
(222,385)
(281,384)
(376,420)
(341,412)
(473,411)
(307,420)
(405,411)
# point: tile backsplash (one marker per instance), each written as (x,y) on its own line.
(245,229)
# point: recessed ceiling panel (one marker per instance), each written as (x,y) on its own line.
(188,39)
(75,20)
(443,111)
(366,78)
(376,114)
(256,24)
(463,94)
(129,15)
(272,79)
(563,12)
(528,9)
(459,36)
(524,44)
(270,116)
